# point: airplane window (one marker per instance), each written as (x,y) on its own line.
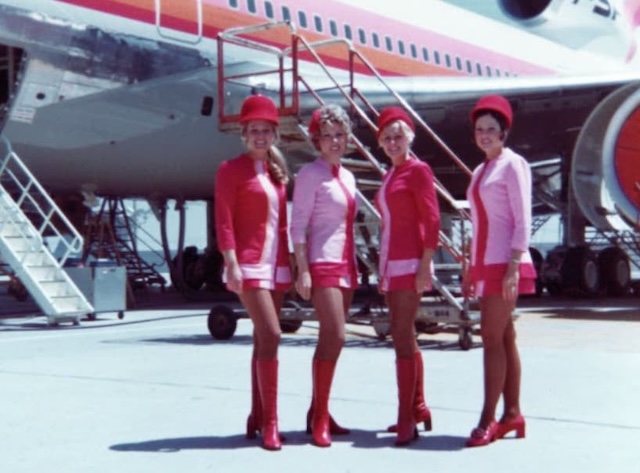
(333,27)
(458,63)
(268,9)
(436,57)
(447,60)
(347,32)
(425,54)
(233,3)
(469,67)
(362,36)
(401,47)
(479,69)
(414,51)
(498,73)
(318,23)
(286,14)
(251,5)
(388,43)
(302,19)
(376,39)
(488,71)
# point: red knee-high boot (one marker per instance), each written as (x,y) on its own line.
(322,378)
(267,371)
(421,412)
(406,379)
(254,420)
(334,427)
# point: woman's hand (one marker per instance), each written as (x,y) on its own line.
(510,283)
(423,275)
(234,278)
(423,278)
(467,286)
(303,285)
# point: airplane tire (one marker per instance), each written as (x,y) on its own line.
(465,338)
(290,325)
(580,275)
(538,260)
(615,272)
(551,274)
(192,272)
(222,322)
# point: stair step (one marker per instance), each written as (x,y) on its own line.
(368,184)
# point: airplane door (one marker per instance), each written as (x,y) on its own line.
(179,20)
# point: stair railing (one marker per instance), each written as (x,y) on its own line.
(32,198)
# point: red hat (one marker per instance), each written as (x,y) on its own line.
(392,114)
(259,107)
(496,103)
(314,124)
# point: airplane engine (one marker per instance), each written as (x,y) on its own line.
(605,182)
(596,26)
(605,172)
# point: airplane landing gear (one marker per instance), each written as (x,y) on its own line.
(579,271)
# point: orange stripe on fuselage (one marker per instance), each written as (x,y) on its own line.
(182,16)
(140,10)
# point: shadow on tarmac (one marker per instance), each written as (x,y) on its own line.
(365,439)
(631,314)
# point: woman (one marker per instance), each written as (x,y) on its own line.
(501,267)
(324,208)
(410,226)
(251,228)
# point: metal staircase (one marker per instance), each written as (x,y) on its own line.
(296,95)
(109,235)
(27,216)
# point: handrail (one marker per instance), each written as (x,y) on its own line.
(33,195)
(354,52)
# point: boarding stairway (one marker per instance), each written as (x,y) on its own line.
(28,215)
(109,236)
(294,94)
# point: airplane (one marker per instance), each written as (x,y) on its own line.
(124,98)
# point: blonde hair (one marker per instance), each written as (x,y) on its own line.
(332,113)
(276,163)
(277,166)
(406,130)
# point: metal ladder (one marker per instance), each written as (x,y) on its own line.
(442,305)
(28,215)
(109,235)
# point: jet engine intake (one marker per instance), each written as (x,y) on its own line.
(605,172)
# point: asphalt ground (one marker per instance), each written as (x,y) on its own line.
(154,392)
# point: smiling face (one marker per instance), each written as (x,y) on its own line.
(395,142)
(259,136)
(332,141)
(489,135)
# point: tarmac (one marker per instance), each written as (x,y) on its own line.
(154,392)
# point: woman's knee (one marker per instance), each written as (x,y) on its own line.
(491,337)
(268,337)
